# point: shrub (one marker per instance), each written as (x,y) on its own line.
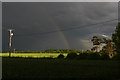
(72,55)
(82,56)
(116,57)
(89,56)
(105,56)
(93,56)
(60,56)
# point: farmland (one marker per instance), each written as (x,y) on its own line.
(34,55)
(32,68)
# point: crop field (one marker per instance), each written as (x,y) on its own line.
(33,55)
(41,69)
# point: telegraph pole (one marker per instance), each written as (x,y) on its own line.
(10,40)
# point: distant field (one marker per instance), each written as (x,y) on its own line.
(40,69)
(33,55)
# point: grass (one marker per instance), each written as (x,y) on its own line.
(25,68)
(33,55)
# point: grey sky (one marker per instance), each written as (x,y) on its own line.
(30,20)
(0,39)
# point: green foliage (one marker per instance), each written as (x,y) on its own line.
(89,56)
(95,40)
(27,51)
(86,55)
(104,56)
(61,56)
(49,51)
(94,56)
(116,57)
(61,51)
(116,38)
(82,56)
(72,55)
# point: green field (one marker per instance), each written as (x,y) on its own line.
(33,55)
(25,68)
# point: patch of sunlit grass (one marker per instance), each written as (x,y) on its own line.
(33,55)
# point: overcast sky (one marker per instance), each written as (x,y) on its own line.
(38,26)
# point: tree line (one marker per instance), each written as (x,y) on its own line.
(111,49)
(85,56)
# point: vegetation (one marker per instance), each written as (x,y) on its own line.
(116,40)
(49,51)
(86,55)
(40,69)
(72,55)
(61,56)
(61,50)
(103,45)
(89,55)
(34,55)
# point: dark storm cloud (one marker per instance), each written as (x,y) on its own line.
(0,28)
(0,39)
(30,18)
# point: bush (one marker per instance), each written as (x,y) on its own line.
(105,56)
(116,57)
(93,56)
(89,56)
(60,56)
(72,55)
(82,56)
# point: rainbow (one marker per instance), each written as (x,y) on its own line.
(61,33)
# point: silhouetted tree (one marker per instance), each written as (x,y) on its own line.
(116,39)
(72,55)
(60,56)
(105,56)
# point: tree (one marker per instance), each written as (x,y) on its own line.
(103,45)
(105,56)
(72,55)
(61,56)
(98,43)
(95,40)
(108,48)
(116,38)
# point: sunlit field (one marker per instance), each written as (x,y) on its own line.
(41,69)
(34,55)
